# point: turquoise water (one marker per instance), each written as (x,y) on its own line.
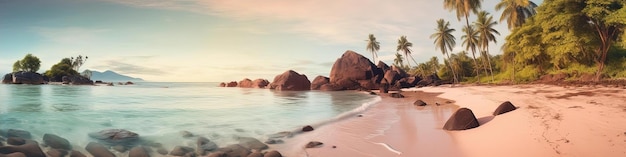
(159,111)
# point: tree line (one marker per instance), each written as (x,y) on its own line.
(574,37)
(66,67)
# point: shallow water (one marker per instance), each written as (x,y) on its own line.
(159,111)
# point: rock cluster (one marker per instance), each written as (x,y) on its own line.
(23,78)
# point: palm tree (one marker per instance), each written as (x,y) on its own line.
(373,46)
(486,32)
(516,11)
(444,41)
(462,7)
(404,46)
(470,41)
(398,60)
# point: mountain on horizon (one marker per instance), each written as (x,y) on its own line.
(110,76)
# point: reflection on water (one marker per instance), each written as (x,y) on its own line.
(27,98)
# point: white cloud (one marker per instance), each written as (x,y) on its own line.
(70,35)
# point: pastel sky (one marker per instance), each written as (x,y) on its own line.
(218,40)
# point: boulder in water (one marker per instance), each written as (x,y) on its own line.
(18,133)
(98,150)
(504,108)
(204,144)
(273,153)
(30,149)
(116,136)
(235,150)
(138,151)
(181,150)
(77,154)
(318,82)
(56,153)
(462,119)
(16,141)
(252,143)
(307,128)
(56,142)
(291,81)
(313,144)
(419,103)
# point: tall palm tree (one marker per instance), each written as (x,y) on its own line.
(404,46)
(516,11)
(462,7)
(444,41)
(398,60)
(373,46)
(470,41)
(486,33)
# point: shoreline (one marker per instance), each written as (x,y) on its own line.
(549,121)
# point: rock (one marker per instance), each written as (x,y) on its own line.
(16,141)
(319,81)
(30,149)
(8,78)
(18,133)
(217,154)
(256,154)
(138,151)
(129,83)
(245,83)
(56,153)
(77,154)
(392,76)
(419,103)
(26,78)
(281,134)
(116,136)
(462,119)
(260,83)
(252,143)
(431,80)
(396,95)
(231,84)
(373,93)
(235,150)
(366,85)
(181,150)
(16,154)
(203,144)
(273,153)
(331,87)
(291,81)
(222,84)
(186,134)
(77,80)
(384,86)
(314,144)
(307,128)
(382,66)
(352,67)
(98,150)
(504,108)
(162,151)
(56,142)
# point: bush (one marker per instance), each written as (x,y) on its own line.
(29,63)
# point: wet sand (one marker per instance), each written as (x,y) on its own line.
(392,127)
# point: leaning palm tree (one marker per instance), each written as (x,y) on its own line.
(462,7)
(373,46)
(486,34)
(470,41)
(398,60)
(444,41)
(516,11)
(404,46)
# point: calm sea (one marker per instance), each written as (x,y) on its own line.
(160,111)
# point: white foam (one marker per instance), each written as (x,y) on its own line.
(388,147)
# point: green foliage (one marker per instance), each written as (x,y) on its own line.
(515,12)
(63,68)
(528,74)
(29,63)
(616,63)
(373,46)
(405,46)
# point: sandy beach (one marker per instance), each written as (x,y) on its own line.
(550,121)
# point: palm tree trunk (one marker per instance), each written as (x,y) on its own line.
(489,61)
(406,56)
(475,65)
(454,79)
(413,60)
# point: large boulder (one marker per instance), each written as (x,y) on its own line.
(260,83)
(98,150)
(462,119)
(138,151)
(16,133)
(331,87)
(352,67)
(319,81)
(203,145)
(76,80)
(231,84)
(431,80)
(392,76)
(8,78)
(56,142)
(181,150)
(382,66)
(504,108)
(273,153)
(245,83)
(27,78)
(116,136)
(291,81)
(235,150)
(252,143)
(30,149)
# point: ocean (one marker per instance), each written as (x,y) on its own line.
(160,111)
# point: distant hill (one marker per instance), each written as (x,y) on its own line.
(110,76)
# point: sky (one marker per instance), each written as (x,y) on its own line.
(220,40)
